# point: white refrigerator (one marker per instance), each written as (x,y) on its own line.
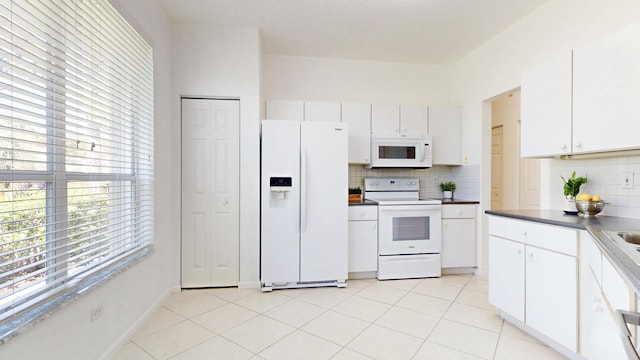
(304,204)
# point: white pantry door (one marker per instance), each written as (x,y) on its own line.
(210,193)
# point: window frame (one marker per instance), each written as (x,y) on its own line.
(138,209)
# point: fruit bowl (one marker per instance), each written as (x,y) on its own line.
(589,207)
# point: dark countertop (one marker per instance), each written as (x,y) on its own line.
(363,202)
(458,201)
(595,226)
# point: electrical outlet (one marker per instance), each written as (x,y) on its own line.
(466,159)
(627,180)
(96,313)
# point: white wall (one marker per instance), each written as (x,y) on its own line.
(495,67)
(69,333)
(225,62)
(323,79)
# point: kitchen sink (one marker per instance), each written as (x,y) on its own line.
(627,241)
(630,237)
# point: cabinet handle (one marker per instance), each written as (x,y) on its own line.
(563,147)
(578,145)
(524,233)
(530,254)
(519,251)
(597,304)
(444,224)
(374,226)
(458,212)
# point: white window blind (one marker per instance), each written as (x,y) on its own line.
(76,145)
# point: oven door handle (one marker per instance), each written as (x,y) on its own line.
(394,208)
(623,318)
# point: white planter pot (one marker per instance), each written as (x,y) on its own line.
(569,205)
(449,195)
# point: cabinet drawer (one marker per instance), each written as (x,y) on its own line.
(554,238)
(363,212)
(458,211)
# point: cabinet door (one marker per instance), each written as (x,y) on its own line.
(322,111)
(606,83)
(546,108)
(599,337)
(358,116)
(551,295)
(385,119)
(445,130)
(413,120)
(458,243)
(363,246)
(284,110)
(506,276)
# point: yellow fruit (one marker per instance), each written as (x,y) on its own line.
(596,198)
(584,197)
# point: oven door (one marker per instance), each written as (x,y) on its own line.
(409,229)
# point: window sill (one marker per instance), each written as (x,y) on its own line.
(27,319)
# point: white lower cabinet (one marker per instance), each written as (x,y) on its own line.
(363,238)
(602,290)
(552,295)
(458,236)
(533,274)
(506,276)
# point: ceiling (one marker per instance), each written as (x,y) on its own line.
(411,31)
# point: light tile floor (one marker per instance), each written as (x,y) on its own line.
(439,318)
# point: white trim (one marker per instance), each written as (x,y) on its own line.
(142,319)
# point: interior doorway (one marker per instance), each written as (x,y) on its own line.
(210,230)
(515,181)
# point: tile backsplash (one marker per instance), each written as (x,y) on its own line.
(605,179)
(467,180)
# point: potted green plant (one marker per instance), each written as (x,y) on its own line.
(355,194)
(447,189)
(571,190)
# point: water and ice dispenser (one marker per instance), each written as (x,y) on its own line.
(280,190)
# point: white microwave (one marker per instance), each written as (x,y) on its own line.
(394,151)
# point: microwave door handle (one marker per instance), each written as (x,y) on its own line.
(424,152)
(623,317)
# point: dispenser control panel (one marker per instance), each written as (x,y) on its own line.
(280,182)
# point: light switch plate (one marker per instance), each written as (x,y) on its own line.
(627,180)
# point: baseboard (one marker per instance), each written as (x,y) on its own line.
(253,284)
(459,271)
(127,334)
(362,275)
(570,354)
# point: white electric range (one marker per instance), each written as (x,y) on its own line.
(409,228)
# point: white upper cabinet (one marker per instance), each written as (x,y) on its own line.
(445,130)
(413,120)
(393,119)
(587,104)
(321,111)
(284,110)
(358,116)
(546,108)
(385,119)
(606,80)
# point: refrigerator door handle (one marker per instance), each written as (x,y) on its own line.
(303,191)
